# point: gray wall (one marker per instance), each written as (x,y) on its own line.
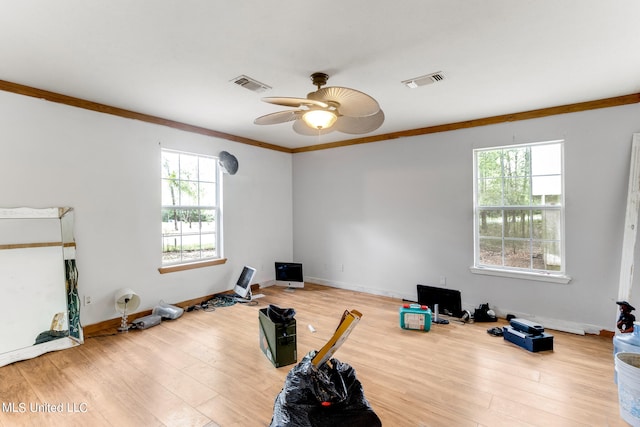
(385,216)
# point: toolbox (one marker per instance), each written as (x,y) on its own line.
(415,316)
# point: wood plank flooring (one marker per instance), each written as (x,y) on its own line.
(207,369)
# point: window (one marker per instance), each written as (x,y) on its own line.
(519,208)
(191,208)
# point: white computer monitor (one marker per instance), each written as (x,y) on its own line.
(242,287)
(289,274)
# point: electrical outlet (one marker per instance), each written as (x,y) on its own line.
(87,300)
(443,280)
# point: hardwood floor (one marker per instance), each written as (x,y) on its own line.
(207,369)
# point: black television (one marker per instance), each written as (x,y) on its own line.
(289,274)
(449,300)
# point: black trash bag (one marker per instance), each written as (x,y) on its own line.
(329,396)
(280,315)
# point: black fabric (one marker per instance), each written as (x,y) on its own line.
(280,315)
(328,396)
(481,314)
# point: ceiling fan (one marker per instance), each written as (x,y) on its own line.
(327,109)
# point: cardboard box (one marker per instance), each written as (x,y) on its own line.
(278,340)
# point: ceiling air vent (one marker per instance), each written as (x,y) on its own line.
(250,84)
(424,80)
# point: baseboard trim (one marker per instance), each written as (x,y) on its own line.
(97,328)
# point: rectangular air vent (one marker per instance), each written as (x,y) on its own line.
(424,80)
(250,84)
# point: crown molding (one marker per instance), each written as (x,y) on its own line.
(120,112)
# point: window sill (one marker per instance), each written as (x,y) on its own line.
(540,277)
(191,265)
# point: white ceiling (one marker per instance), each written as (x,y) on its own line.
(175,59)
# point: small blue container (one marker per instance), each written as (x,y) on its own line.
(415,316)
(628,342)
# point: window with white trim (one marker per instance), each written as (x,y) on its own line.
(191,208)
(519,208)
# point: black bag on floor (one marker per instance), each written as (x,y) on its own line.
(328,396)
(484,314)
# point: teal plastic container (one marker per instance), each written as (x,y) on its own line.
(415,316)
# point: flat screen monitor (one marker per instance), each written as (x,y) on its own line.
(243,285)
(289,274)
(449,300)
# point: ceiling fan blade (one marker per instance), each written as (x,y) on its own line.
(359,125)
(294,102)
(279,117)
(301,128)
(352,102)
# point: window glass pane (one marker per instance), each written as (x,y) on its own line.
(171,248)
(208,245)
(517,253)
(489,164)
(546,160)
(516,191)
(188,167)
(171,223)
(551,256)
(546,190)
(190,246)
(490,252)
(208,218)
(537,218)
(170,165)
(188,193)
(517,224)
(537,260)
(190,221)
(169,192)
(490,192)
(551,225)
(516,162)
(490,223)
(207,169)
(207,194)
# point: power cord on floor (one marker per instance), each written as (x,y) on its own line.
(220,300)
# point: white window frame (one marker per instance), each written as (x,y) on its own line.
(519,272)
(203,261)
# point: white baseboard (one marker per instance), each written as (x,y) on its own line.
(267,283)
(548,323)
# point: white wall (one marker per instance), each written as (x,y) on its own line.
(386,216)
(108,169)
(378,217)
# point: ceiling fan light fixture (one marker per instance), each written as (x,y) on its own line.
(326,110)
(319,119)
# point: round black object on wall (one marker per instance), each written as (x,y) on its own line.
(229,162)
